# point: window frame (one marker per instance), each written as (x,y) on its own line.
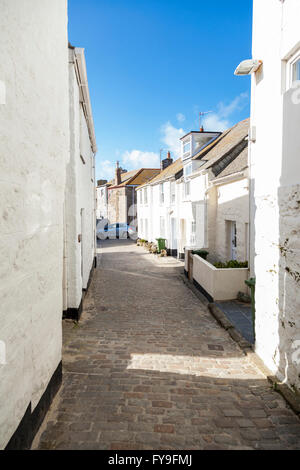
(161,194)
(187,184)
(290,70)
(173,192)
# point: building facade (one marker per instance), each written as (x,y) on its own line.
(43,189)
(33,165)
(202,200)
(116,199)
(275,207)
(80,193)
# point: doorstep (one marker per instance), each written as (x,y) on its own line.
(240,316)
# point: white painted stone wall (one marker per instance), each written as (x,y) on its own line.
(220,284)
(183,211)
(275,170)
(34,149)
(80,199)
(228,202)
(102,210)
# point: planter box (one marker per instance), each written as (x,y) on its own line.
(218,284)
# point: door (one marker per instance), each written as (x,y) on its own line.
(233,240)
(81,245)
(174,234)
(182,235)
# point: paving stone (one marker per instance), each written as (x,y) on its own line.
(139,375)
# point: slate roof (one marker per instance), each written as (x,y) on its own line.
(170,171)
(240,163)
(124,177)
(228,154)
(225,143)
(135,177)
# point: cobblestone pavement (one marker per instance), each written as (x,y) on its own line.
(149,368)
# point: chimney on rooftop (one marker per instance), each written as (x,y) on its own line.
(201,129)
(166,162)
(118,175)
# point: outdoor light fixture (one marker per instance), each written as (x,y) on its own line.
(247,67)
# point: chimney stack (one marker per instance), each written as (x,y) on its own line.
(118,175)
(166,162)
(201,129)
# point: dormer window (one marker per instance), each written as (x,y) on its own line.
(186,148)
(296,70)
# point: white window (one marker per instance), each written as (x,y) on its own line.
(188,169)
(187,189)
(296,70)
(146,196)
(162,227)
(186,147)
(173,192)
(293,70)
(161,194)
(193,233)
(141,196)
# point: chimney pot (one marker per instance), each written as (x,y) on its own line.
(118,175)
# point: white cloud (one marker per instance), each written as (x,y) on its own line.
(105,169)
(214,122)
(220,120)
(180,117)
(138,159)
(171,138)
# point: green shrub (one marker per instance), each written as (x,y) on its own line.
(202,253)
(233,264)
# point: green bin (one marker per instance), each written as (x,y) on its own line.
(251,283)
(161,243)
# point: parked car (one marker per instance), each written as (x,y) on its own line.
(113,231)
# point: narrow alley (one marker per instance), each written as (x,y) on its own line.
(148,367)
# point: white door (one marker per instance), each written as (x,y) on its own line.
(182,235)
(233,239)
(174,234)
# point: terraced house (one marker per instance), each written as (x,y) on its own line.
(202,200)
(117,198)
(47,207)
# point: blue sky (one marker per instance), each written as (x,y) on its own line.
(153,65)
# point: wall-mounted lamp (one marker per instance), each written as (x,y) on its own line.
(247,67)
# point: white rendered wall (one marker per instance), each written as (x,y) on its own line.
(229,202)
(34,147)
(275,170)
(101,211)
(80,200)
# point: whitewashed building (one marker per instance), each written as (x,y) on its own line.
(80,194)
(275,186)
(43,189)
(102,200)
(202,200)
(176,209)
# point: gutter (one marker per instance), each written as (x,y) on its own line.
(80,69)
(229,178)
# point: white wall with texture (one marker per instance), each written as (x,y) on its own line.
(34,149)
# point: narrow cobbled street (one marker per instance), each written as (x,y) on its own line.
(149,368)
